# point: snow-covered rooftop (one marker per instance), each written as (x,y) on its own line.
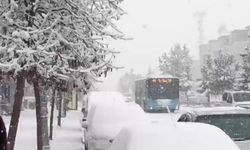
(156,76)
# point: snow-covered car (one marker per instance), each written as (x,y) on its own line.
(105,121)
(232,120)
(100,98)
(29,102)
(237,98)
(181,136)
(103,97)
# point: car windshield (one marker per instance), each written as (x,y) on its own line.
(237,126)
(241,97)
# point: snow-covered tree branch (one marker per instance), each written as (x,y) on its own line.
(55,41)
(59,37)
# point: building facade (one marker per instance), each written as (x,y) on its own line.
(235,43)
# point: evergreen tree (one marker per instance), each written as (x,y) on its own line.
(244,75)
(178,64)
(218,74)
(224,72)
(207,75)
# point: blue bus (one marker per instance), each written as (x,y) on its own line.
(157,94)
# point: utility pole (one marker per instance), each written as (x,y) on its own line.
(200,15)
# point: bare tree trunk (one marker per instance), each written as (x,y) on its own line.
(52,114)
(187,97)
(208,97)
(38,115)
(59,107)
(44,113)
(16,111)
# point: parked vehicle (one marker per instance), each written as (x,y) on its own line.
(234,121)
(29,102)
(181,136)
(237,98)
(101,97)
(5,107)
(105,120)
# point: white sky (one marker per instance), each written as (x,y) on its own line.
(157,25)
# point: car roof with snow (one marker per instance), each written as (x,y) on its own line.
(181,136)
(237,92)
(104,97)
(218,110)
(106,121)
(153,76)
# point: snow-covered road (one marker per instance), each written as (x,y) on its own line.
(67,137)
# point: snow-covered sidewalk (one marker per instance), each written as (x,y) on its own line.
(66,137)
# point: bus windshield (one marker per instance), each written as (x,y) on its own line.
(157,94)
(163,89)
(241,97)
(235,125)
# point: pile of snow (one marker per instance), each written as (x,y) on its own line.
(182,136)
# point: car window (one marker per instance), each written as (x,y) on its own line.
(235,125)
(224,96)
(241,97)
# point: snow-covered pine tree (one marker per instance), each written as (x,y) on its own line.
(224,72)
(63,39)
(244,73)
(178,64)
(218,74)
(207,77)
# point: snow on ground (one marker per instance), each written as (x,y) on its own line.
(67,137)
(26,134)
